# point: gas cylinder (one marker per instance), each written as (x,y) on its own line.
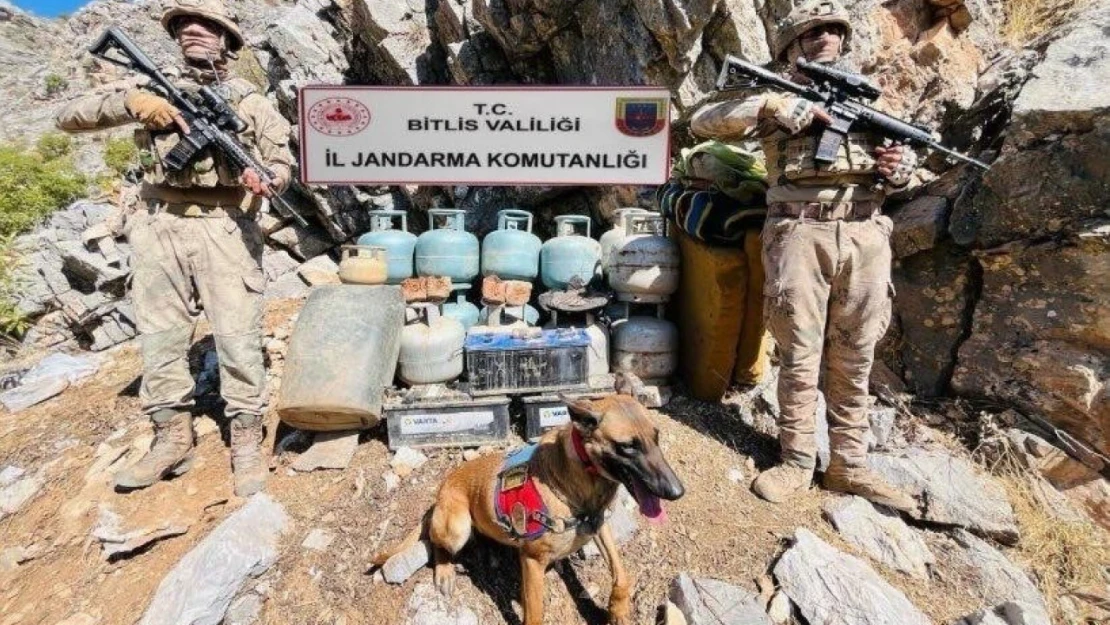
(569,254)
(610,237)
(643,265)
(646,347)
(447,249)
(461,310)
(512,252)
(342,355)
(509,315)
(431,347)
(363,264)
(399,244)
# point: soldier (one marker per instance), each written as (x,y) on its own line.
(195,241)
(826,253)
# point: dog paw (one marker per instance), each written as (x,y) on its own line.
(445,579)
(620,614)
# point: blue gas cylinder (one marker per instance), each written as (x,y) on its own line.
(512,252)
(399,244)
(447,249)
(570,254)
(461,310)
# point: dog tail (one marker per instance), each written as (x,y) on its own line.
(418,532)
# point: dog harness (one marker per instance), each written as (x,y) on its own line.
(519,507)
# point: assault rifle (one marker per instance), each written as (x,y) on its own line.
(212,122)
(839,93)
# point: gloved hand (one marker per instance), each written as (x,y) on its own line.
(154,111)
(794,114)
(253,182)
(896,163)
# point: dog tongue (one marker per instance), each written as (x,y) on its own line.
(650,506)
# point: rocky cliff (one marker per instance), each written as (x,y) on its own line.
(1001,277)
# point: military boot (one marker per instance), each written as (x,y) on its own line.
(778,483)
(246,456)
(866,483)
(171,453)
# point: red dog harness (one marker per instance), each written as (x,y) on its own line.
(519,507)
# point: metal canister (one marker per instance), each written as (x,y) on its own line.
(569,254)
(363,264)
(644,264)
(508,315)
(399,244)
(447,249)
(610,237)
(431,347)
(512,252)
(461,310)
(646,347)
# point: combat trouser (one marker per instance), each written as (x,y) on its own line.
(181,263)
(827,293)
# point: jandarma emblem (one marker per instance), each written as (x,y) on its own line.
(339,117)
(638,117)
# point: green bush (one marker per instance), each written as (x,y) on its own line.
(54,145)
(55,84)
(121,154)
(32,187)
(12,321)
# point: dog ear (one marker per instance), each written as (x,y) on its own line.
(582,411)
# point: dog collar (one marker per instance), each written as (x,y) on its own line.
(580,449)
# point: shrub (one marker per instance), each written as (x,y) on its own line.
(32,187)
(120,154)
(55,84)
(54,145)
(1028,19)
(12,321)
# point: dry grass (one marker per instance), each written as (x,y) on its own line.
(1065,555)
(1028,19)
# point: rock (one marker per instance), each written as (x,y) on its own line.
(244,610)
(319,270)
(882,420)
(406,460)
(329,450)
(405,564)
(306,50)
(780,609)
(205,427)
(277,263)
(303,243)
(1038,335)
(289,286)
(392,481)
(117,543)
(1053,147)
(673,615)
(918,225)
(704,601)
(12,557)
(318,540)
(397,38)
(18,493)
(1081,484)
(428,607)
(10,474)
(832,588)
(200,587)
(1009,613)
(997,580)
(736,476)
(881,534)
(934,298)
(951,492)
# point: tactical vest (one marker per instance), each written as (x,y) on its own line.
(790,160)
(208,170)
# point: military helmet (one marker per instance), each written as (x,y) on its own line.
(212,10)
(808,14)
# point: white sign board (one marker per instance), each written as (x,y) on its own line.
(485,136)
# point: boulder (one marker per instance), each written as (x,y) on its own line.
(396,41)
(200,587)
(918,225)
(303,243)
(305,49)
(995,579)
(1038,334)
(1009,613)
(832,588)
(1051,176)
(703,601)
(950,491)
(881,534)
(401,566)
(428,607)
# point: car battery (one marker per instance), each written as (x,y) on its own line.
(527,360)
(447,422)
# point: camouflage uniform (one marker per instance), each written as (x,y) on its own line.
(195,241)
(826,255)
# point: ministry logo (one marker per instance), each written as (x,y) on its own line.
(640,117)
(339,117)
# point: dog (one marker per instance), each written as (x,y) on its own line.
(548,500)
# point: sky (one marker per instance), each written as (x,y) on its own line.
(49,8)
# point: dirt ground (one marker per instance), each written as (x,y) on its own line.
(719,529)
